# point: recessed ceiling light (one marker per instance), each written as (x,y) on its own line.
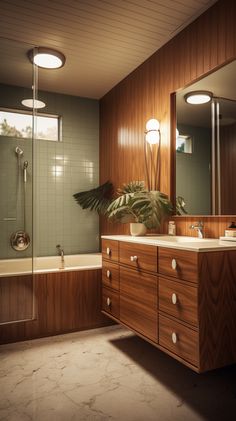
(198,97)
(33,103)
(46,58)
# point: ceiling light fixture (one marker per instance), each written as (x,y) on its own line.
(47,58)
(198,97)
(33,103)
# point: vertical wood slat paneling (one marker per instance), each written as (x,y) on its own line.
(207,43)
(16,297)
(66,301)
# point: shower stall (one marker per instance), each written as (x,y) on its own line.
(46,156)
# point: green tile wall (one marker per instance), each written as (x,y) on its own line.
(60,169)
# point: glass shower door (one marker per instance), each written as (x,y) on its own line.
(17,301)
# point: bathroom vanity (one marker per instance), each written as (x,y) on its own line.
(177,293)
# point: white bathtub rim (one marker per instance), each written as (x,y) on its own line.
(57,266)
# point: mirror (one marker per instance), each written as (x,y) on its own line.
(206,146)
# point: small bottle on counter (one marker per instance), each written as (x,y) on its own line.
(171,228)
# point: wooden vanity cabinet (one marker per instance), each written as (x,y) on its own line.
(110,278)
(183,302)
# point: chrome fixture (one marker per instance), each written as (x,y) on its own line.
(25,165)
(199,227)
(47,58)
(20,240)
(60,252)
(19,151)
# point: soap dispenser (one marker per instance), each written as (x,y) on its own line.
(171,228)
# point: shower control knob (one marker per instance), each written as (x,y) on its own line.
(108,302)
(20,240)
(173,264)
(108,274)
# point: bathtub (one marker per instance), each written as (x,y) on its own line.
(11,267)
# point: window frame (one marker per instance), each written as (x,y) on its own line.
(36,114)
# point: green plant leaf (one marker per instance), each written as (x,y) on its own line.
(97,199)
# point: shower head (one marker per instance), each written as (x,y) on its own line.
(19,151)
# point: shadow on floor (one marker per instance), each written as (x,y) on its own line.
(212,395)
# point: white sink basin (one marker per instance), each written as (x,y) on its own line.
(181,239)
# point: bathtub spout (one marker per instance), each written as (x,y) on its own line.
(60,252)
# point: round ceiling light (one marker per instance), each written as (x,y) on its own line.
(46,58)
(33,103)
(198,97)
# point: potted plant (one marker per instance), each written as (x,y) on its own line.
(133,203)
(144,209)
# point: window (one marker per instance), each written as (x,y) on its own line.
(18,124)
(184,144)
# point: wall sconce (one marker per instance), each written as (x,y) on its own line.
(152,153)
(152,133)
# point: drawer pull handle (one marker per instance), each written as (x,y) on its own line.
(108,251)
(108,274)
(173,264)
(134,258)
(174,338)
(108,302)
(174,298)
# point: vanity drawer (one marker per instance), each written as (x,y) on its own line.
(178,300)
(179,339)
(182,264)
(110,275)
(139,256)
(139,317)
(110,250)
(111,302)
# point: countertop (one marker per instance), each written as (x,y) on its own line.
(177,242)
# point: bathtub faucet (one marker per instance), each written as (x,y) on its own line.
(60,252)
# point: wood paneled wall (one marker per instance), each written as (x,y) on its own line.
(207,43)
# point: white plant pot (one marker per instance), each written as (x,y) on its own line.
(137,228)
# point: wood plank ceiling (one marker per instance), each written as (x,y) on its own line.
(103,40)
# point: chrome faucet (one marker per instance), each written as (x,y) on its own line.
(199,227)
(60,252)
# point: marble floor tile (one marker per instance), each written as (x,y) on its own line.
(107,374)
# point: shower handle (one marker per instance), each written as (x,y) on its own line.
(25,171)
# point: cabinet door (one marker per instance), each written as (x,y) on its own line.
(138,256)
(138,301)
